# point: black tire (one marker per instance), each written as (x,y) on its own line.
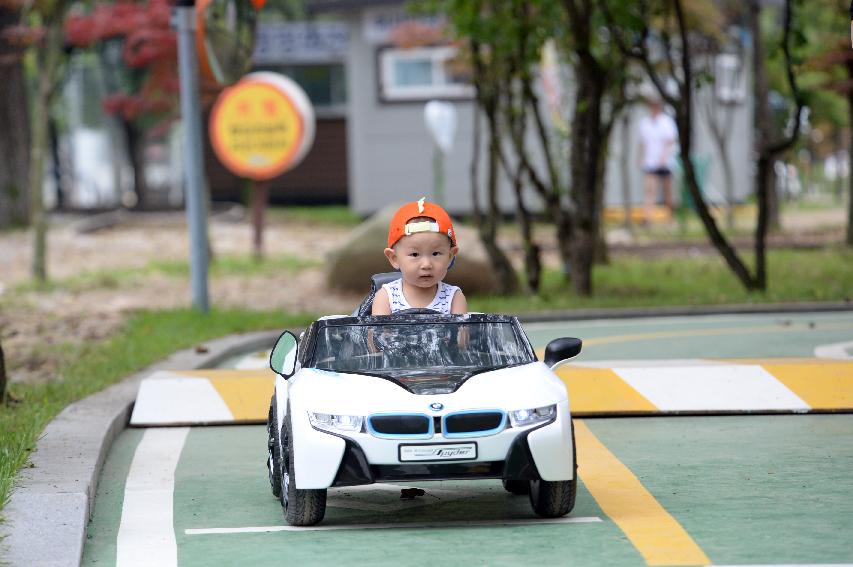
(517,487)
(273,451)
(301,507)
(553,499)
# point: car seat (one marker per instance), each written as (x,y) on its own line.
(377,281)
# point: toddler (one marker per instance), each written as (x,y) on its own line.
(422,245)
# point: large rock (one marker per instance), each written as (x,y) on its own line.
(351,265)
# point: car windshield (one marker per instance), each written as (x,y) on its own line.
(424,357)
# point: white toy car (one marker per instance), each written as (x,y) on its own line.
(418,396)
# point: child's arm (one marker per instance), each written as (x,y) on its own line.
(458,306)
(381,304)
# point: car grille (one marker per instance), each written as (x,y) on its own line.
(400,425)
(473,423)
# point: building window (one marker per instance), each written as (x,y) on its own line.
(423,73)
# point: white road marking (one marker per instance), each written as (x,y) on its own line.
(744,387)
(165,398)
(835,350)
(647,363)
(146,535)
(792,565)
(390,525)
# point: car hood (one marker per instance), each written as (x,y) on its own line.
(523,386)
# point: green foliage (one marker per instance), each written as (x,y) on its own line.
(90,367)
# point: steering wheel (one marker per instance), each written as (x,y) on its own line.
(417,311)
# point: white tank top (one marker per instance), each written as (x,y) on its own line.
(441,302)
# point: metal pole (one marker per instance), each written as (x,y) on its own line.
(260,196)
(195,183)
(438,175)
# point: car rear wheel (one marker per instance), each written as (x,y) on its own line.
(517,487)
(273,451)
(552,499)
(301,507)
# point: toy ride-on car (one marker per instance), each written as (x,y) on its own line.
(418,396)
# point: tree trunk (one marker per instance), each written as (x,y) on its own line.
(507,282)
(14,125)
(48,57)
(584,162)
(487,221)
(764,123)
(135,140)
(3,379)
(849,237)
(625,170)
(684,121)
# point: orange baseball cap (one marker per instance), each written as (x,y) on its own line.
(401,227)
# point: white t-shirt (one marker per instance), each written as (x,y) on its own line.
(656,134)
(441,302)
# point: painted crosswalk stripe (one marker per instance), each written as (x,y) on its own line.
(395,526)
(656,535)
(169,398)
(146,535)
(706,388)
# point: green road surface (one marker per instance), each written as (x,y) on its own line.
(747,489)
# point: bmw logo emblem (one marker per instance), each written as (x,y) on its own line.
(435,406)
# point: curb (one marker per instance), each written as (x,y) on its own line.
(48,511)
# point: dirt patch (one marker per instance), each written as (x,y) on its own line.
(33,321)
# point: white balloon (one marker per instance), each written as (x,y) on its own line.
(440,118)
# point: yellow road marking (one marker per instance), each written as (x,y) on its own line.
(707,332)
(247,393)
(658,536)
(822,385)
(593,390)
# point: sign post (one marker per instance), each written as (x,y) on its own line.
(228,49)
(260,128)
(196,187)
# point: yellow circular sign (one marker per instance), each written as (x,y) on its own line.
(257,130)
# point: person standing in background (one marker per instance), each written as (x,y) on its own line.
(658,137)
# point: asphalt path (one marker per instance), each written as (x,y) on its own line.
(723,490)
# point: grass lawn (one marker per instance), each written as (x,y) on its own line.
(146,338)
(793,276)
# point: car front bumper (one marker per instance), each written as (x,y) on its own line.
(324,459)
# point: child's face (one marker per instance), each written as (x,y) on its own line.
(423,258)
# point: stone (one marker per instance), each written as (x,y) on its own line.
(350,265)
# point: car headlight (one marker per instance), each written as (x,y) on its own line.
(522,417)
(334,422)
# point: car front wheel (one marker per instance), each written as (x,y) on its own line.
(301,507)
(552,499)
(273,452)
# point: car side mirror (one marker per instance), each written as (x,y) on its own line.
(559,351)
(283,356)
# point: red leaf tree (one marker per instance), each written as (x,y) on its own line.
(138,52)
